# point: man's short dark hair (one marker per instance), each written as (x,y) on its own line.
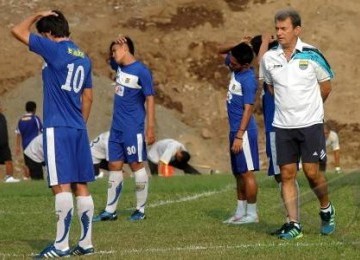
(291,13)
(256,43)
(185,157)
(243,53)
(57,26)
(30,106)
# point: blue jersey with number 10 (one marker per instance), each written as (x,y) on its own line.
(66,72)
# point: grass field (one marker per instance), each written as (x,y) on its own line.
(184,221)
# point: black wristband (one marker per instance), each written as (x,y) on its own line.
(240,138)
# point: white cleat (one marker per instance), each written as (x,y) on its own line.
(10,179)
(233,219)
(247,219)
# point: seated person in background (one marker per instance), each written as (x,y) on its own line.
(34,154)
(332,141)
(169,152)
(99,152)
(34,157)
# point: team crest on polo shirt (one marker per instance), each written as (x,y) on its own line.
(127,80)
(303,64)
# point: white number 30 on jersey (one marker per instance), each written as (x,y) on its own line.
(74,79)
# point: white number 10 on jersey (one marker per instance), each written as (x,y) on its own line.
(74,80)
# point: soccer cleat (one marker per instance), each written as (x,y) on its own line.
(105,216)
(247,219)
(281,230)
(78,250)
(51,252)
(327,221)
(232,219)
(293,232)
(137,215)
(10,179)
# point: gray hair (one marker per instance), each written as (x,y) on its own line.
(291,13)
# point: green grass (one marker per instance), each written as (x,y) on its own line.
(184,221)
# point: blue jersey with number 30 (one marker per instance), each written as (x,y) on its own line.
(66,72)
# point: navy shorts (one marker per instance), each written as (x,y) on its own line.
(67,156)
(248,158)
(271,154)
(307,143)
(127,146)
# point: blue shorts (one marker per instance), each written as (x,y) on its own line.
(248,158)
(67,155)
(271,154)
(127,147)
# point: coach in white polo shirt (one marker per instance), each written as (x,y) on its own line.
(299,77)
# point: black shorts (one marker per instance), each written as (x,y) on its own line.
(322,165)
(35,168)
(103,164)
(307,143)
(5,153)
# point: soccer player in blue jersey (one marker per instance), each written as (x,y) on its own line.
(243,130)
(134,88)
(67,90)
(29,126)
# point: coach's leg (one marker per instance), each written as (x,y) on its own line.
(289,190)
(317,182)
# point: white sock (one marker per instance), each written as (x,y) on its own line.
(326,209)
(114,190)
(142,185)
(251,209)
(241,208)
(85,210)
(64,208)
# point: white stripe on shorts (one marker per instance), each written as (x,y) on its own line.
(273,153)
(51,158)
(247,152)
(140,147)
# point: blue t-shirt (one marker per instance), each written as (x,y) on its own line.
(133,84)
(268,103)
(242,91)
(66,72)
(29,126)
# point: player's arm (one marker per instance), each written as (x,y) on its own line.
(325,88)
(266,39)
(22,30)
(238,141)
(150,119)
(87,99)
(226,47)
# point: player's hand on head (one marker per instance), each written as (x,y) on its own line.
(120,39)
(267,37)
(246,39)
(47,13)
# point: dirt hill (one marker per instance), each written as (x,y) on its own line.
(177,39)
